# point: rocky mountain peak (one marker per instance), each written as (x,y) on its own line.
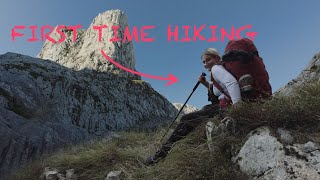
(85,51)
(187,108)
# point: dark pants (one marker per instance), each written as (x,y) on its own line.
(187,124)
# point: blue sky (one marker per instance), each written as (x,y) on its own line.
(288,34)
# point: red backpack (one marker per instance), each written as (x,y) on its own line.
(242,60)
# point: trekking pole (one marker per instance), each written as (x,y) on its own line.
(194,88)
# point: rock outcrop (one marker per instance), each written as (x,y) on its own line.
(310,74)
(74,96)
(52,173)
(265,155)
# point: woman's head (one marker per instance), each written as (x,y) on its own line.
(210,57)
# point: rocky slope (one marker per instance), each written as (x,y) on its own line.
(47,104)
(310,74)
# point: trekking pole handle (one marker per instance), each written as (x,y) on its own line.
(195,87)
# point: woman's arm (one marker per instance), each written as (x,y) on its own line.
(221,75)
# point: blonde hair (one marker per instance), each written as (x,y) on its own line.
(210,51)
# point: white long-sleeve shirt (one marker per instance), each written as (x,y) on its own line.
(227,82)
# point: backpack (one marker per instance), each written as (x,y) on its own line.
(242,60)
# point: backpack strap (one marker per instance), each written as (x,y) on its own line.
(217,85)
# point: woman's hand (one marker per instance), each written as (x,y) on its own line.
(202,80)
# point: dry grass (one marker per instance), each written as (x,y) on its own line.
(189,159)
(297,112)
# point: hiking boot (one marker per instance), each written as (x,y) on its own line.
(245,83)
(153,160)
(162,153)
(150,160)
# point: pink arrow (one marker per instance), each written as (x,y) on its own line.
(171,78)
